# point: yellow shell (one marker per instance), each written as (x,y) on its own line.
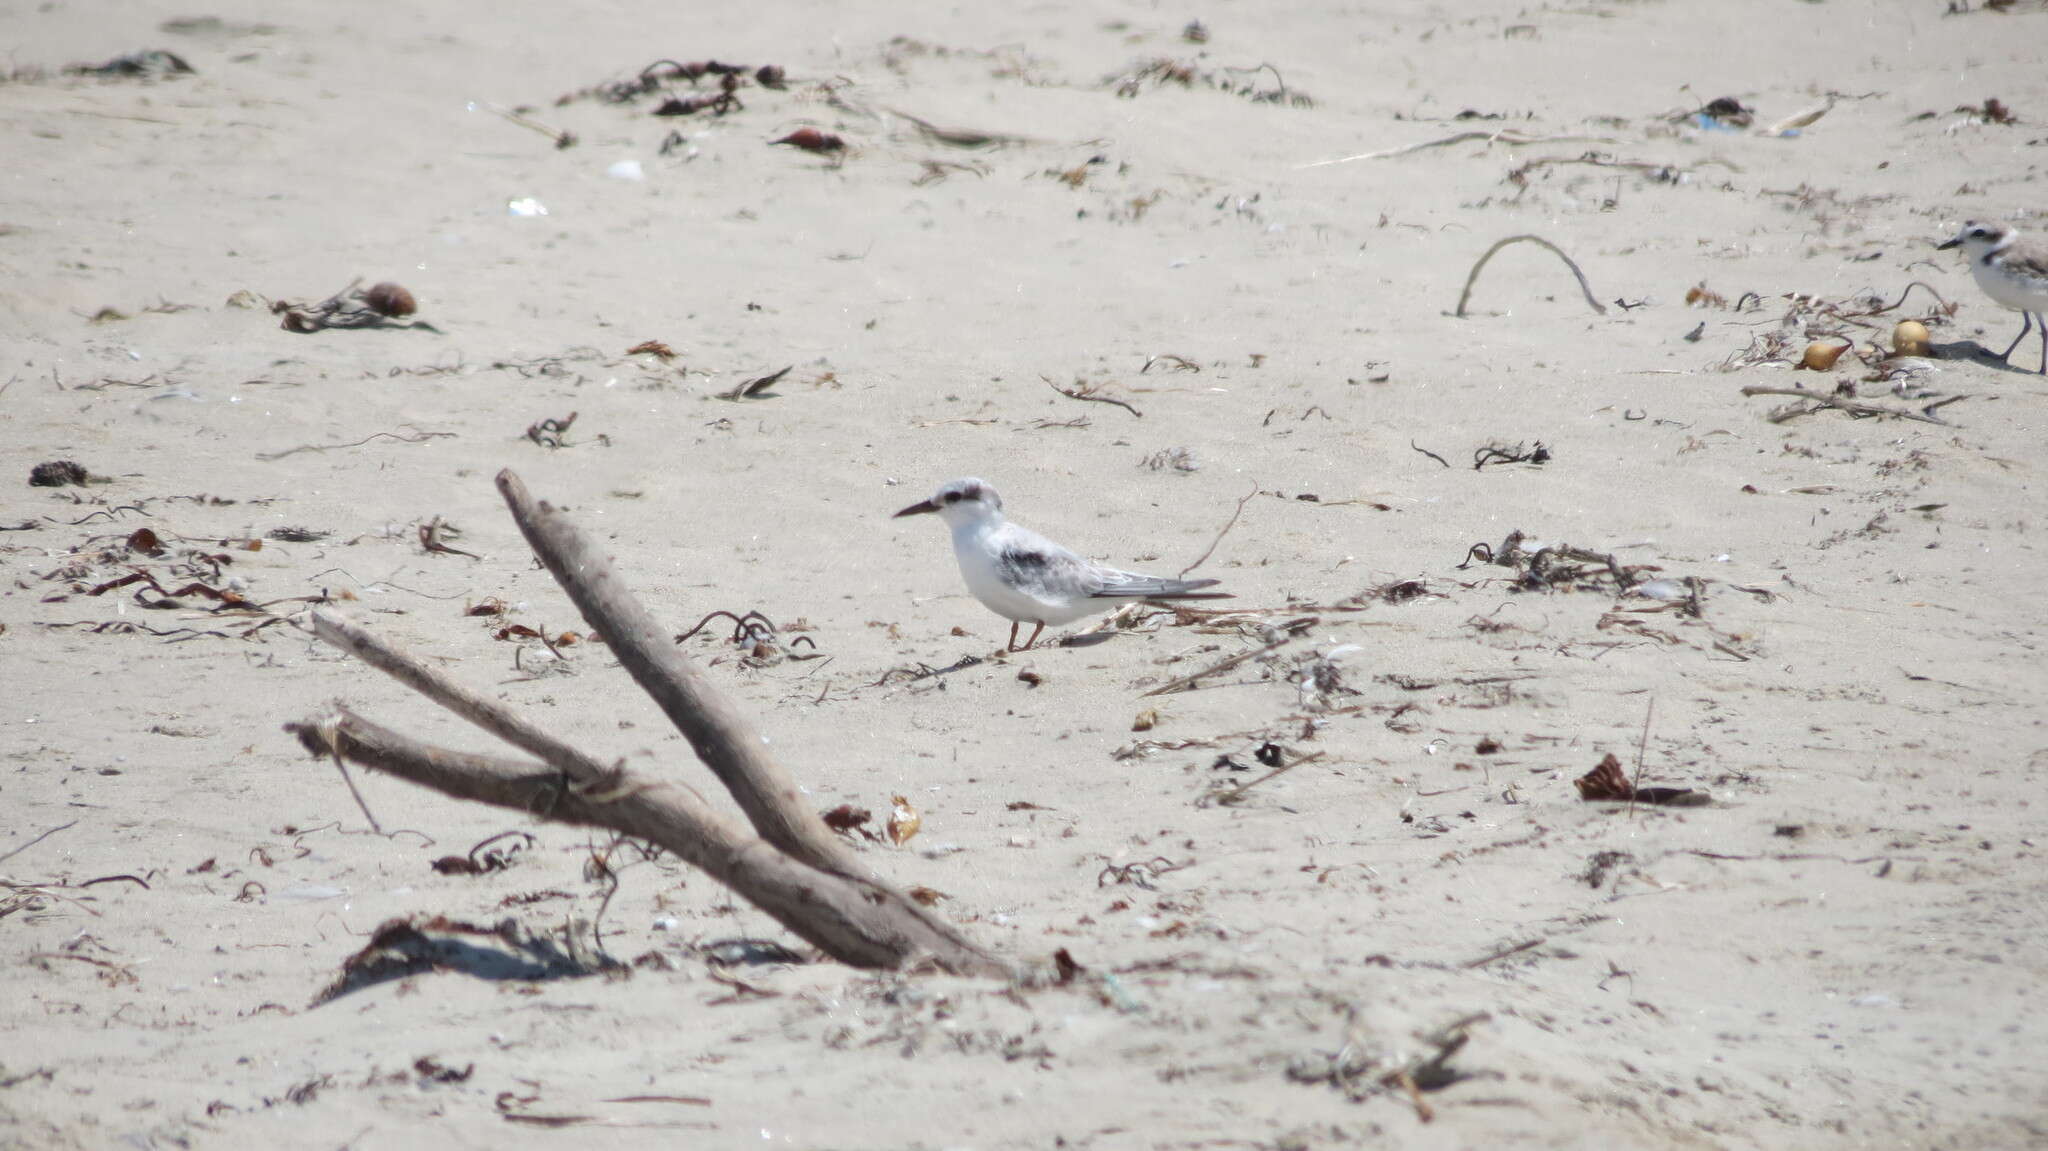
(1821,355)
(1911,338)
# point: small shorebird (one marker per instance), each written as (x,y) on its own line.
(1026,578)
(2012,271)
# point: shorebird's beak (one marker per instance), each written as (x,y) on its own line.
(1956,242)
(922,507)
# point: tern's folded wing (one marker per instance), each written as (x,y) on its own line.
(1048,574)
(1108,582)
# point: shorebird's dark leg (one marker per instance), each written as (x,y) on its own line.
(2041,322)
(1034,636)
(1013,636)
(2026,322)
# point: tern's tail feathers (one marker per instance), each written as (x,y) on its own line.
(1134,586)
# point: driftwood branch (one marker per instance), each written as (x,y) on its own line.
(722,738)
(841,918)
(1472,277)
(1854,407)
(795,869)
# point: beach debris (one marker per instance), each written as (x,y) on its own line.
(655,348)
(431,533)
(1723,114)
(1542,566)
(904,821)
(384,305)
(726,101)
(813,140)
(1221,532)
(756,387)
(1089,391)
(389,299)
(764,642)
(1820,355)
(1278,759)
(1145,720)
(479,861)
(847,819)
(1363,1071)
(551,432)
(968,138)
(1601,865)
(748,952)
(1499,453)
(1172,459)
(1843,400)
(1992,111)
(1911,338)
(1608,782)
(1472,277)
(406,946)
(412,437)
(1804,118)
(148,64)
(59,473)
(1141,873)
(1238,81)
(520,116)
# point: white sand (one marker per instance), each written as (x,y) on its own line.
(1844,950)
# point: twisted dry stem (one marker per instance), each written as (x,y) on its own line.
(790,865)
(1472,277)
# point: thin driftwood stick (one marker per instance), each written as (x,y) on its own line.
(1465,296)
(723,739)
(1204,557)
(1505,136)
(846,918)
(1225,664)
(1843,404)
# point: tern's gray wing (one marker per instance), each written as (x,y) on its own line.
(1043,570)
(1111,583)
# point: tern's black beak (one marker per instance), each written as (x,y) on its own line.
(1943,247)
(922,507)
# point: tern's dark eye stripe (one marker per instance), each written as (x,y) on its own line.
(952,497)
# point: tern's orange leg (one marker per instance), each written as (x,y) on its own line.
(1013,636)
(1034,635)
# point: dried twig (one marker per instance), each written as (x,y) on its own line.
(1239,510)
(36,840)
(415,437)
(1222,665)
(1857,408)
(1087,392)
(1505,136)
(1465,296)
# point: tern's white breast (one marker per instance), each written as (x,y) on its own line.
(1050,601)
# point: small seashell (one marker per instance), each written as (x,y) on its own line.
(904,821)
(1821,355)
(388,299)
(1911,338)
(1661,589)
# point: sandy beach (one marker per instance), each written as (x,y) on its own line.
(1338,884)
